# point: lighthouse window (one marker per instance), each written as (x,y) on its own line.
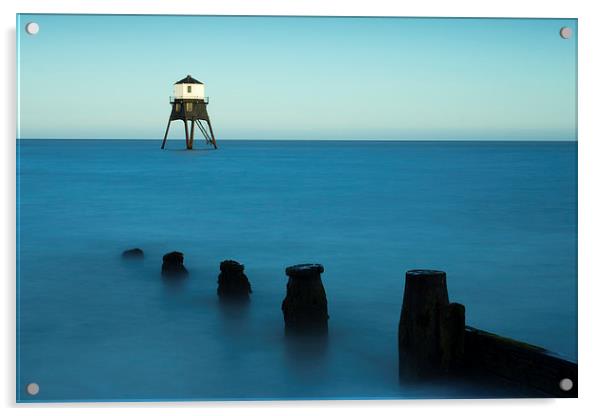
(188,106)
(189,88)
(177,107)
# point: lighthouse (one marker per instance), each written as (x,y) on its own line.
(189,104)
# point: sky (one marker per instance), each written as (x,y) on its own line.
(320,78)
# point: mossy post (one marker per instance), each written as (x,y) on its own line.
(305,306)
(430,329)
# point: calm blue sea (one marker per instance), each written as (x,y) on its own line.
(499,217)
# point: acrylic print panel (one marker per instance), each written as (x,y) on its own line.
(364,208)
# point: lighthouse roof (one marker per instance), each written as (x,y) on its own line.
(188,80)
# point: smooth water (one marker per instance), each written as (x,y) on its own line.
(498,217)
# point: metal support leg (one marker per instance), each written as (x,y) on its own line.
(166,131)
(186,130)
(190,142)
(205,134)
(212,135)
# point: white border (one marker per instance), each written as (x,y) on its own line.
(590,209)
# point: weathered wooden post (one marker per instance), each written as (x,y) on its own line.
(430,329)
(434,339)
(305,306)
(232,281)
(452,329)
(524,364)
(173,265)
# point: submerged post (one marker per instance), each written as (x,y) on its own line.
(173,265)
(305,306)
(232,281)
(133,253)
(431,330)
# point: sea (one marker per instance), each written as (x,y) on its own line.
(500,218)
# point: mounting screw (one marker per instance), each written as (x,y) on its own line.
(32,28)
(566,384)
(33,389)
(566,32)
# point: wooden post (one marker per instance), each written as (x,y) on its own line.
(173,265)
(451,331)
(166,131)
(424,348)
(186,130)
(518,362)
(305,306)
(232,281)
(133,253)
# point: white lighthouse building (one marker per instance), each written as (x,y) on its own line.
(189,88)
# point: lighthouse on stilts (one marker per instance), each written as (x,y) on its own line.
(190,104)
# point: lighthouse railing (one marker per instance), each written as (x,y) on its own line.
(173,99)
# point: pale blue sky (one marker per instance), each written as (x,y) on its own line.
(90,76)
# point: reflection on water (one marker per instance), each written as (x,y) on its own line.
(306,354)
(234,310)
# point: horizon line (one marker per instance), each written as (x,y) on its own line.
(313,140)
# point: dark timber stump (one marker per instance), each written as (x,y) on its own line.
(451,330)
(430,329)
(305,306)
(232,281)
(524,364)
(173,265)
